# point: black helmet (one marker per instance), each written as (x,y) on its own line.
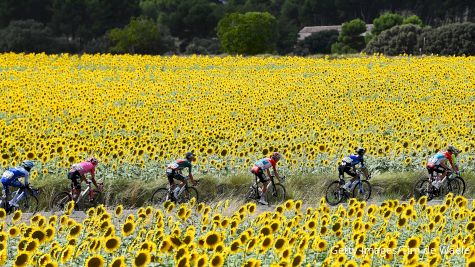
(360,151)
(189,155)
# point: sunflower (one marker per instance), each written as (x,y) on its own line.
(267,242)
(217,260)
(13,231)
(128,228)
(111,244)
(202,261)
(118,262)
(16,216)
(75,230)
(297,260)
(94,261)
(66,253)
(212,239)
(22,259)
(118,210)
(142,258)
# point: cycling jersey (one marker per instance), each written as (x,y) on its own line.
(179,165)
(265,163)
(353,160)
(442,157)
(10,178)
(15,173)
(83,168)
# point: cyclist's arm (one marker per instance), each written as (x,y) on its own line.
(27,177)
(190,174)
(453,163)
(276,173)
(93,178)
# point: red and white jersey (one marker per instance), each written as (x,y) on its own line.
(265,163)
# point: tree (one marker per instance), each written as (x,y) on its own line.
(386,21)
(28,36)
(87,19)
(350,39)
(186,19)
(317,43)
(38,10)
(397,40)
(250,33)
(415,20)
(141,36)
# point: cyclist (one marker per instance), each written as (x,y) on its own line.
(174,171)
(264,165)
(10,178)
(438,164)
(348,165)
(78,172)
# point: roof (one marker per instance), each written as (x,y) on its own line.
(307,31)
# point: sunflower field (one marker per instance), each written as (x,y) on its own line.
(143,111)
(358,234)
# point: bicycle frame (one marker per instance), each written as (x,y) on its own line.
(256,183)
(84,192)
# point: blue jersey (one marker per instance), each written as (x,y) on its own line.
(354,160)
(15,173)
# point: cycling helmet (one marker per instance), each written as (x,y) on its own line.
(27,164)
(276,155)
(360,151)
(93,160)
(189,155)
(452,149)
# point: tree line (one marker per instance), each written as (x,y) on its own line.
(224,26)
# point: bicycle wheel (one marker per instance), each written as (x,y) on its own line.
(455,186)
(422,188)
(85,202)
(60,201)
(188,194)
(159,196)
(28,203)
(250,195)
(362,190)
(275,195)
(461,182)
(334,194)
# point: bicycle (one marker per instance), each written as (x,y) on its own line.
(453,182)
(275,191)
(360,189)
(93,199)
(185,194)
(27,200)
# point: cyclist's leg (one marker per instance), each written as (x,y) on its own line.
(171,183)
(260,175)
(441,172)
(15,183)
(178,176)
(349,170)
(341,173)
(6,191)
(75,184)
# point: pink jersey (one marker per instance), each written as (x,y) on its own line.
(84,167)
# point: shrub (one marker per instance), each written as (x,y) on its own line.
(451,39)
(395,41)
